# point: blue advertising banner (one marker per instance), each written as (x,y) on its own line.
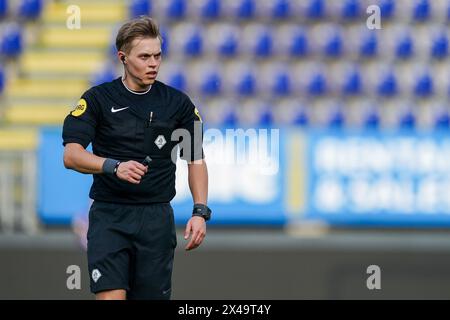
(390,179)
(246,179)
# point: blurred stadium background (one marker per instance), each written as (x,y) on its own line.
(364,154)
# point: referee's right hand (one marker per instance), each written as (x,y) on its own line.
(131,171)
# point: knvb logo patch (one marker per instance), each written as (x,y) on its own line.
(96,275)
(160,141)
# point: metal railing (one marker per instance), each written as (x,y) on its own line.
(18,191)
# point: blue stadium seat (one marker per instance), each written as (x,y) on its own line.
(407,120)
(336,119)
(315,9)
(421,10)
(2,79)
(317,84)
(299,44)
(442,120)
(423,86)
(300,118)
(266,118)
(387,8)
(12,42)
(246,85)
(351,9)
(439,47)
(211,9)
(140,8)
(177,80)
(404,47)
(3,8)
(194,45)
(229,46)
(334,45)
(30,9)
(369,44)
(281,9)
(175,9)
(388,85)
(230,119)
(371,119)
(282,83)
(352,84)
(246,9)
(264,44)
(211,83)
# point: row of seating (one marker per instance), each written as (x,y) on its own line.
(327,113)
(341,10)
(244,78)
(22,10)
(327,40)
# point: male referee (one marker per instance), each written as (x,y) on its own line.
(130,121)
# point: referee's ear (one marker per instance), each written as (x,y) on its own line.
(122,57)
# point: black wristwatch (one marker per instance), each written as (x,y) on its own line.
(202,210)
(116,167)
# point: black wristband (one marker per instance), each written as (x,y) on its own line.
(202,210)
(109,166)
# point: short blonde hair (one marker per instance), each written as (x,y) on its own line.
(141,27)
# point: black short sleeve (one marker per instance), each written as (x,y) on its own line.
(80,124)
(193,123)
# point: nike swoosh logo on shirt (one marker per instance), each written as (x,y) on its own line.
(117,110)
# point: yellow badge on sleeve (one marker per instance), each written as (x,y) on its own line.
(80,108)
(198,115)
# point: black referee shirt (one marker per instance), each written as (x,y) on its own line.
(129,126)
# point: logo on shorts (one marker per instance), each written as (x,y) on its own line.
(96,275)
(160,141)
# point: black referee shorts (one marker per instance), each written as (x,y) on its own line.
(131,247)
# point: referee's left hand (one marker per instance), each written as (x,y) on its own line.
(196,228)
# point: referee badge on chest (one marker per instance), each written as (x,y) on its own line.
(160,141)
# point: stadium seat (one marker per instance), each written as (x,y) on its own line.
(388,85)
(222,39)
(407,120)
(3,8)
(352,84)
(265,118)
(299,44)
(210,9)
(301,118)
(333,47)
(165,46)
(404,47)
(178,81)
(211,83)
(140,8)
(421,10)
(344,9)
(369,44)
(387,8)
(371,119)
(246,9)
(30,9)
(423,86)
(317,84)
(230,119)
(258,40)
(246,84)
(314,9)
(439,47)
(175,9)
(187,39)
(442,120)
(11,44)
(336,119)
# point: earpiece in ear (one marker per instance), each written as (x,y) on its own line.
(123,59)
